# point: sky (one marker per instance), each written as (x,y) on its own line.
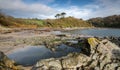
(44,9)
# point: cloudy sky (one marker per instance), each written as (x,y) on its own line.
(48,8)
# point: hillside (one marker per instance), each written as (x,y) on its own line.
(67,22)
(110,21)
(9,21)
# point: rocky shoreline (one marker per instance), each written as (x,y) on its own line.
(104,55)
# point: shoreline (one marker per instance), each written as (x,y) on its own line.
(22,37)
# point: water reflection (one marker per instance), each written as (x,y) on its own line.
(30,55)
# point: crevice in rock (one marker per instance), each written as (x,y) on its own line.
(61,64)
(35,68)
(89,63)
(116,68)
(106,65)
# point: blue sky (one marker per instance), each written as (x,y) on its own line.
(60,2)
(48,8)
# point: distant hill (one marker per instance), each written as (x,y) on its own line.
(110,21)
(9,21)
(67,22)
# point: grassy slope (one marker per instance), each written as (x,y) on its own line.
(66,22)
(8,21)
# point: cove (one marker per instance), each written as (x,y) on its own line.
(28,56)
(101,32)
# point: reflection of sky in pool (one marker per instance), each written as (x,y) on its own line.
(30,55)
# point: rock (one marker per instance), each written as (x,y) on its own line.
(53,44)
(118,38)
(80,43)
(48,64)
(104,55)
(70,43)
(112,38)
(93,42)
(6,63)
(72,61)
(107,37)
(61,35)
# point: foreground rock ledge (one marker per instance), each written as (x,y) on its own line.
(104,55)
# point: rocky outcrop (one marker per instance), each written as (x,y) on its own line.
(72,61)
(104,55)
(7,64)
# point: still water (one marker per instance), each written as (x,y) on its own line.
(97,32)
(30,55)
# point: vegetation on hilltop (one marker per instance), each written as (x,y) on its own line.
(67,22)
(60,22)
(110,21)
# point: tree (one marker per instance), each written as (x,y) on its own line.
(57,15)
(63,14)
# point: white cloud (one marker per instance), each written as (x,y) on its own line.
(19,7)
(105,8)
(76,12)
(99,8)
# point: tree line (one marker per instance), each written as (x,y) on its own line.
(109,21)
